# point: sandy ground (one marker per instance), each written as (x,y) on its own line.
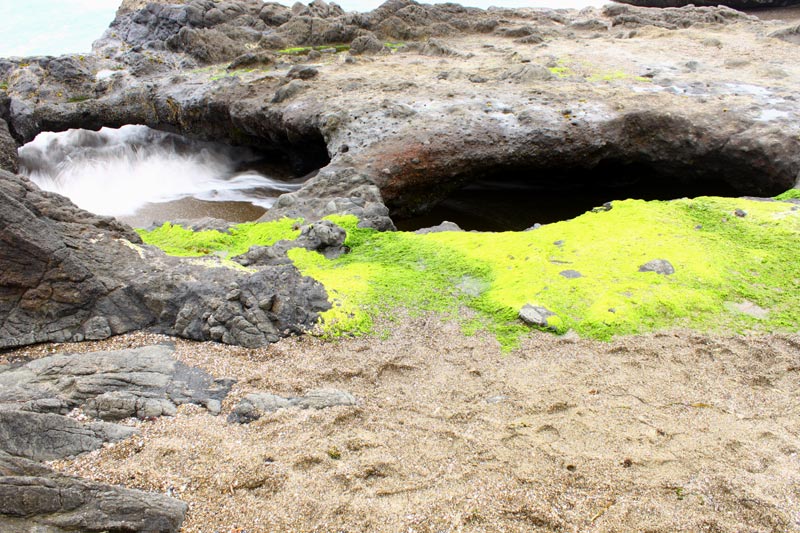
(666,432)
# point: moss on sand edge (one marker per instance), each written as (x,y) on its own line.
(737,269)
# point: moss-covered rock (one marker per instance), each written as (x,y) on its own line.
(725,253)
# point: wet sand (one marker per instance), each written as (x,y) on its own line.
(192,208)
(788,14)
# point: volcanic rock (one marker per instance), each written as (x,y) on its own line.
(606,87)
(35,498)
(69,275)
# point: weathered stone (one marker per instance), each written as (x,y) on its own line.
(571,274)
(144,382)
(34,499)
(535,315)
(735,4)
(255,405)
(8,149)
(44,437)
(659,266)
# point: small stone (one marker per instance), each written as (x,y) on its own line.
(571,274)
(535,315)
(214,407)
(659,266)
(496,399)
(741,213)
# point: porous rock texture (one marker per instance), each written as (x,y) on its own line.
(35,399)
(467,94)
(69,275)
(34,498)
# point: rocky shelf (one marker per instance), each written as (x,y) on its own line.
(392,112)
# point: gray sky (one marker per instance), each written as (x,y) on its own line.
(39,27)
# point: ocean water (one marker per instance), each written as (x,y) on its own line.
(54,27)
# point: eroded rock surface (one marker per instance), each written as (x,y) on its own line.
(736,4)
(680,95)
(144,383)
(69,275)
(34,498)
(255,405)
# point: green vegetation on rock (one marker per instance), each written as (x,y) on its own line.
(176,240)
(791,194)
(736,261)
(302,50)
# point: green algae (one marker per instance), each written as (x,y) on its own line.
(729,255)
(718,256)
(791,194)
(179,241)
(303,50)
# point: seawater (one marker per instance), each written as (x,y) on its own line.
(117,172)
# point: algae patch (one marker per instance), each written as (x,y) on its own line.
(179,241)
(723,250)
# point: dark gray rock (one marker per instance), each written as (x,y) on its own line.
(36,499)
(659,266)
(66,274)
(535,315)
(324,237)
(45,437)
(302,72)
(255,405)
(790,34)
(144,382)
(291,89)
(8,149)
(366,44)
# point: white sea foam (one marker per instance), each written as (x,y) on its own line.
(117,171)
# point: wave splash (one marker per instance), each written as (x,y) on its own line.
(116,172)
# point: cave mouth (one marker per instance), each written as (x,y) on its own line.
(144,176)
(518,199)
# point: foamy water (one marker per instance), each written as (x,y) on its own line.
(116,172)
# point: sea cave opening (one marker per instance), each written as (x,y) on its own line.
(144,176)
(515,199)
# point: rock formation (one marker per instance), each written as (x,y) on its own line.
(35,399)
(466,94)
(70,275)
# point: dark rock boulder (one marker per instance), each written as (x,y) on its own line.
(66,274)
(34,498)
(8,149)
(324,237)
(45,437)
(659,266)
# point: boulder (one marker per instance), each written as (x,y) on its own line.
(45,437)
(66,274)
(34,498)
(142,382)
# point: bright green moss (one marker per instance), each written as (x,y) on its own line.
(719,259)
(303,50)
(791,194)
(175,240)
(723,263)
